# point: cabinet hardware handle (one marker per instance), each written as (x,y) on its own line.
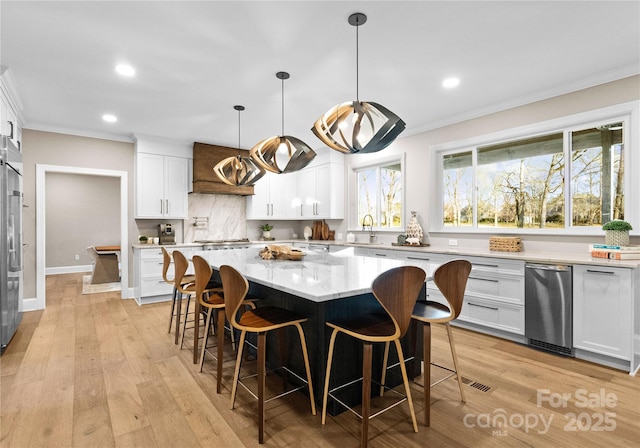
(484,306)
(486,265)
(418,258)
(271,209)
(484,279)
(301,212)
(167,202)
(600,272)
(381,255)
(161,206)
(11,131)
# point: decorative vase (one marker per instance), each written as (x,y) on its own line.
(266,234)
(414,230)
(616,237)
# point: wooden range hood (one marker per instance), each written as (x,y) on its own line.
(205,157)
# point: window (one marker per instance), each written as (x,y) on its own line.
(380,194)
(564,180)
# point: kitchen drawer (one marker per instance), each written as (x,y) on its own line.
(496,266)
(502,316)
(154,286)
(505,287)
(152,267)
(154,252)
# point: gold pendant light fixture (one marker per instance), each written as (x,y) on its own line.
(238,170)
(358,127)
(282,153)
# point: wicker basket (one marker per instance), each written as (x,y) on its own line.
(505,243)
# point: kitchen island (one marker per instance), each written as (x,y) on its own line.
(323,286)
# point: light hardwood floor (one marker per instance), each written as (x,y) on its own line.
(97,371)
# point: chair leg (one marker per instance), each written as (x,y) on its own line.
(236,375)
(173,308)
(186,316)
(206,336)
(385,359)
(305,355)
(327,375)
(455,361)
(284,355)
(367,355)
(178,312)
(220,339)
(262,341)
(426,357)
(405,379)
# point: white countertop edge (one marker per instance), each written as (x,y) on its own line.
(526,256)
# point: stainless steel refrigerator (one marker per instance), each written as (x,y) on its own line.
(10,238)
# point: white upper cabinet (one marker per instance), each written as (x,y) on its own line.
(162,181)
(320,189)
(315,192)
(9,122)
(274,197)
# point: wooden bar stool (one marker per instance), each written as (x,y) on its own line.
(185,281)
(210,303)
(451,279)
(260,320)
(396,290)
(181,264)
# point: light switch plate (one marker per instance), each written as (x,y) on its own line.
(453,242)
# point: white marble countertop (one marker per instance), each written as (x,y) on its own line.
(527,256)
(320,276)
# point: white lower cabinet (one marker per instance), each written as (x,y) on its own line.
(494,297)
(603,310)
(149,286)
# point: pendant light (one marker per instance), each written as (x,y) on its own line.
(282,153)
(357,126)
(238,170)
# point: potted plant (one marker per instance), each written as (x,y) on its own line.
(266,231)
(143,239)
(617,232)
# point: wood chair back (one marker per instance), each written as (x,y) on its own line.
(203,273)
(166,258)
(181,265)
(397,291)
(451,279)
(235,288)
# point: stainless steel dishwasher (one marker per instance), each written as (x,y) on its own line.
(548,307)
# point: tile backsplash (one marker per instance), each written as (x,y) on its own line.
(215,217)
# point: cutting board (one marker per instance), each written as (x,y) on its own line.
(325,230)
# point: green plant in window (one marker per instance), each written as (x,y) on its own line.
(617,224)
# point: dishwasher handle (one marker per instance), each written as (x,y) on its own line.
(548,267)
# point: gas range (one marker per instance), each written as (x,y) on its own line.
(223,244)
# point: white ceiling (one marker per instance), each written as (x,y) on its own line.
(196,60)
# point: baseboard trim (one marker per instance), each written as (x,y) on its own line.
(30,304)
(68,269)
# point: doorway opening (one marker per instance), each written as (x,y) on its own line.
(41,172)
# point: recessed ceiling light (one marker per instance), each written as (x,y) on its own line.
(125,70)
(109,118)
(450,83)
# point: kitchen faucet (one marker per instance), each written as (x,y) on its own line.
(372,235)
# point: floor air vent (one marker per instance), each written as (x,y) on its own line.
(476,385)
(558,349)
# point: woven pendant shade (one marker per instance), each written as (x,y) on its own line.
(238,170)
(282,153)
(358,127)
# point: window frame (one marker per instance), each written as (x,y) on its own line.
(353,168)
(628,113)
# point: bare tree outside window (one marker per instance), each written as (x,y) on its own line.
(380,195)
(522,183)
